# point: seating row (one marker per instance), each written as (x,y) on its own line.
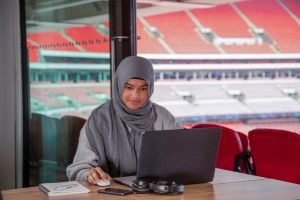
(266,152)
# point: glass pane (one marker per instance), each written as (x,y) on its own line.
(69,73)
(234,63)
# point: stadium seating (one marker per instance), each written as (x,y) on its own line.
(294,6)
(218,19)
(78,94)
(70,95)
(222,107)
(204,99)
(225,22)
(182,34)
(165,89)
(176,109)
(179,33)
(45,98)
(273,105)
(244,49)
(32,52)
(276,154)
(52,40)
(270,16)
(147,42)
(254,90)
(203,91)
(89,37)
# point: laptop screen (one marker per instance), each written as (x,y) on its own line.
(186,156)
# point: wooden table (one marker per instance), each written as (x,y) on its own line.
(227,185)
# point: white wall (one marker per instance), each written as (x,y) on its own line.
(10,96)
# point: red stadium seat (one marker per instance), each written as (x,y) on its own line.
(245,157)
(94,40)
(184,39)
(287,41)
(276,154)
(294,7)
(244,139)
(230,150)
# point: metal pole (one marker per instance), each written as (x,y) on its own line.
(113,63)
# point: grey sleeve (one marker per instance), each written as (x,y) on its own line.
(84,159)
(164,119)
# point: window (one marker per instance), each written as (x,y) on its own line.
(207,49)
(69,75)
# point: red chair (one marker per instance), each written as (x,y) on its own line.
(230,148)
(245,157)
(244,139)
(276,154)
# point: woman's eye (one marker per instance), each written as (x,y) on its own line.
(144,88)
(128,87)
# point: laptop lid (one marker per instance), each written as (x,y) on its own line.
(187,156)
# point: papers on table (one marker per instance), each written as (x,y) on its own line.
(63,188)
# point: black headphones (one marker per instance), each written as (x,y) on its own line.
(160,187)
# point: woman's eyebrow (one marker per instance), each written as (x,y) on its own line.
(146,85)
(129,84)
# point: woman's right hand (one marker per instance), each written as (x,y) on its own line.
(97,174)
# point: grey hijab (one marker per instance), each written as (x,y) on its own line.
(134,67)
(114,131)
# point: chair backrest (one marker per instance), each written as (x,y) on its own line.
(67,138)
(42,137)
(244,139)
(276,154)
(53,143)
(230,147)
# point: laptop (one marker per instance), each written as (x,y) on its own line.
(187,156)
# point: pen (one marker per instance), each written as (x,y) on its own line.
(65,187)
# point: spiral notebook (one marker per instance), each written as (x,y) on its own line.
(63,188)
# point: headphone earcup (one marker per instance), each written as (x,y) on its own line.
(141,186)
(160,187)
(166,187)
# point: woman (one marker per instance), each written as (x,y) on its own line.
(109,142)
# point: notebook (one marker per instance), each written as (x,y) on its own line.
(187,156)
(63,188)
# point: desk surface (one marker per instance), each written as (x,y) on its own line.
(227,185)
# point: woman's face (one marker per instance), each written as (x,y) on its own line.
(135,93)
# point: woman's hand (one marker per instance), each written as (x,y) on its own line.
(97,174)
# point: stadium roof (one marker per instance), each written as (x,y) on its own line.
(96,11)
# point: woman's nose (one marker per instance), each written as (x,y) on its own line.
(136,94)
